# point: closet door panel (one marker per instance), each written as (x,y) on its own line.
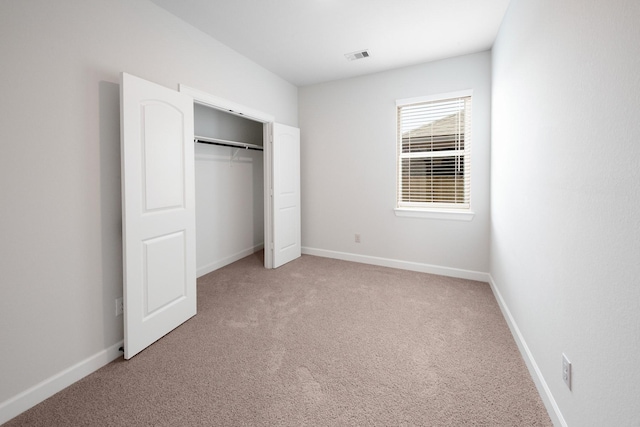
(286,194)
(162,126)
(158,205)
(164,272)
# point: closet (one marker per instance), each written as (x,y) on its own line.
(229,176)
(241,166)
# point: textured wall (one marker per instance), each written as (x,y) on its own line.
(565,199)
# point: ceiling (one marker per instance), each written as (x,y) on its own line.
(304,41)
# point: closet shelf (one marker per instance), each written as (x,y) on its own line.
(226,143)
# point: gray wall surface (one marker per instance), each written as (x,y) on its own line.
(60,245)
(348,170)
(565,199)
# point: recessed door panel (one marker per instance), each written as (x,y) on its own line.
(162,157)
(165,274)
(288,237)
(287,172)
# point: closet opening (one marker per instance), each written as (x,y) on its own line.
(258,201)
(229,181)
(189,207)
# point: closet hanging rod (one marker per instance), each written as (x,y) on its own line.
(226,143)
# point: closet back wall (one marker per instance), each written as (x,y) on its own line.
(229,190)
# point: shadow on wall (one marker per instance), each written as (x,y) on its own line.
(110,205)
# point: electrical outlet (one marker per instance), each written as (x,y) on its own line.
(566,371)
(357,238)
(119,306)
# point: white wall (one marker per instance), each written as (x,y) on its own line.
(565,235)
(348,169)
(60,234)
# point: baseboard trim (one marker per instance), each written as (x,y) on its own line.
(16,405)
(228,260)
(543,389)
(403,265)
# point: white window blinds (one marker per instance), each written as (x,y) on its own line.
(434,153)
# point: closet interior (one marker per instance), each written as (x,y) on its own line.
(229,175)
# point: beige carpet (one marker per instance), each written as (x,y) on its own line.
(317,342)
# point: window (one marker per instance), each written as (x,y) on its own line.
(434,152)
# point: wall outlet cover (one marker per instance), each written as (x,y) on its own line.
(566,370)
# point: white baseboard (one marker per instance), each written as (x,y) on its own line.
(201,271)
(29,398)
(404,265)
(534,370)
(15,405)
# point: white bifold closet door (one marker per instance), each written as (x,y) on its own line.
(158,197)
(286,194)
(158,205)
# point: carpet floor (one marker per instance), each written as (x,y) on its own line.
(316,342)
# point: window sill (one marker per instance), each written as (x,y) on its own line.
(449,214)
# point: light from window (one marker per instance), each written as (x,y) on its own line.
(434,152)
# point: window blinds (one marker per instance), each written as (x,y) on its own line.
(434,149)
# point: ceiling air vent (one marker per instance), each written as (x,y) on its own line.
(357,55)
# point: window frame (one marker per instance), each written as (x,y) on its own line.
(433,210)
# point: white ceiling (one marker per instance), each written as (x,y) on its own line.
(304,41)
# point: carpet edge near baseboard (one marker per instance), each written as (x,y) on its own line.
(403,265)
(29,398)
